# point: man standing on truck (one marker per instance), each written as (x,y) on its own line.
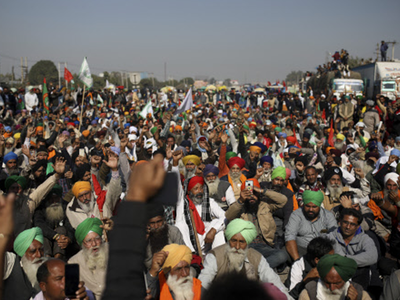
(384,48)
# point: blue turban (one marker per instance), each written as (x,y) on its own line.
(127,125)
(282,134)
(210,169)
(116,150)
(10,156)
(395,152)
(94,122)
(372,145)
(268,159)
(261,145)
(7,128)
(306,135)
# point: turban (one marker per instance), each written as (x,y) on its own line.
(154,210)
(186,143)
(10,156)
(68,124)
(246,127)
(193,158)
(229,155)
(346,267)
(153,130)
(360,124)
(132,137)
(57,189)
(291,139)
(25,239)
(132,129)
(253,125)
(116,150)
(370,102)
(279,129)
(210,169)
(39,164)
(39,128)
(395,152)
(85,133)
(178,127)
(15,179)
(282,134)
(278,172)
(335,152)
(314,197)
(373,145)
(89,224)
(255,183)
(307,134)
(236,161)
(267,159)
(101,132)
(94,122)
(17,136)
(183,149)
(340,136)
(245,228)
(176,254)
(80,187)
(255,149)
(261,145)
(392,176)
(7,129)
(10,140)
(333,171)
(193,181)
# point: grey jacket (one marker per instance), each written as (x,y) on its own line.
(361,248)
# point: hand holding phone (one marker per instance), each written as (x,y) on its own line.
(249,185)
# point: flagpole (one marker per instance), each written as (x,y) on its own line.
(83,99)
(66,82)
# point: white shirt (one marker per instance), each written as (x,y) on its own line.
(31,100)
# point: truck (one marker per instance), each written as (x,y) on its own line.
(381,77)
(331,83)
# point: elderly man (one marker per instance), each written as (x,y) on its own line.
(93,257)
(174,281)
(386,164)
(257,206)
(236,256)
(221,191)
(334,187)
(48,276)
(191,162)
(335,272)
(346,112)
(266,164)
(235,176)
(10,168)
(351,241)
(196,212)
(20,270)
(307,223)
(159,233)
(84,204)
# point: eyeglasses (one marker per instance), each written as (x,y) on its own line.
(346,223)
(96,240)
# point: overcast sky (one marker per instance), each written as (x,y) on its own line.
(252,41)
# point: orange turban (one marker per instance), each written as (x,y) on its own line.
(236,161)
(255,149)
(178,127)
(81,186)
(39,128)
(176,254)
(85,133)
(291,139)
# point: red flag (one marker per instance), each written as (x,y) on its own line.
(269,83)
(323,115)
(67,75)
(296,143)
(330,138)
(284,83)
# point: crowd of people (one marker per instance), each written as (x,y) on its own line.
(293,197)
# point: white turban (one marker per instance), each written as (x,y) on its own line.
(392,176)
(132,129)
(359,124)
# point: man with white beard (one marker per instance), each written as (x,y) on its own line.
(170,277)
(57,231)
(235,176)
(84,204)
(335,272)
(340,143)
(220,191)
(20,270)
(93,257)
(236,256)
(266,163)
(191,162)
(334,187)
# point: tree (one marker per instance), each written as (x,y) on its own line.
(227,82)
(294,77)
(354,62)
(43,68)
(187,80)
(212,80)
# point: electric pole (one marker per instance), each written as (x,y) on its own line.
(22,71)
(59,75)
(165,72)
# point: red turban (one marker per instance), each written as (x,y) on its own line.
(236,161)
(193,181)
(71,124)
(255,183)
(291,139)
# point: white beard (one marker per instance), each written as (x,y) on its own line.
(96,260)
(182,288)
(334,192)
(87,208)
(323,293)
(213,186)
(235,176)
(55,213)
(235,259)
(339,146)
(30,269)
(190,174)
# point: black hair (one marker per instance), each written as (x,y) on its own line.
(310,167)
(170,136)
(42,273)
(351,212)
(318,247)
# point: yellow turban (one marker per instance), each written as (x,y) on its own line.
(81,186)
(340,136)
(193,158)
(17,135)
(176,254)
(255,149)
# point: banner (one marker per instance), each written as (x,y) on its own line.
(148,109)
(186,104)
(45,96)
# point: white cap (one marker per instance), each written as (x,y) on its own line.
(268,122)
(323,96)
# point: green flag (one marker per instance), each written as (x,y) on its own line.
(45,97)
(84,74)
(148,109)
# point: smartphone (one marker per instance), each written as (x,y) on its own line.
(249,185)
(168,194)
(71,280)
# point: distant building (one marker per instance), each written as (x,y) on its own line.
(199,84)
(136,77)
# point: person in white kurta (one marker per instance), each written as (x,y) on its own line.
(31,100)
